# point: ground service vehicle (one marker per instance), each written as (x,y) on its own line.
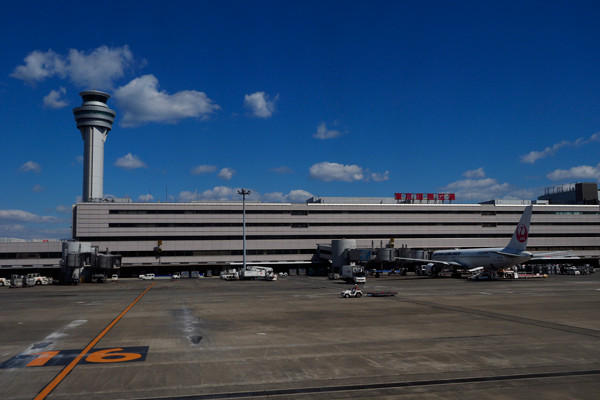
(176,275)
(482,276)
(114,277)
(16,281)
(230,275)
(257,272)
(572,271)
(352,293)
(353,274)
(98,278)
(38,279)
(4,282)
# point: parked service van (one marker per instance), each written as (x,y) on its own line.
(353,274)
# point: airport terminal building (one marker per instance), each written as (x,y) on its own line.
(168,237)
(165,237)
(210,233)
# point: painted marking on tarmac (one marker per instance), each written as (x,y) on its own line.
(63,374)
(48,341)
(55,358)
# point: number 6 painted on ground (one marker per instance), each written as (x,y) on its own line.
(111,355)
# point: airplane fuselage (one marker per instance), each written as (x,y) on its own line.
(488,258)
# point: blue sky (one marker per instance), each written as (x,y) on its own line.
(484,99)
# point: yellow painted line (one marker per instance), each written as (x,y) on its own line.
(62,375)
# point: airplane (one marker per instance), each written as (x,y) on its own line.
(492,259)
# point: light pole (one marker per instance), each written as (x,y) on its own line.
(244,192)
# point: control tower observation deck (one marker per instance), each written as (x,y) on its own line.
(94,121)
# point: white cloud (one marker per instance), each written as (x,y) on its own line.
(580,172)
(130,161)
(533,156)
(380,176)
(220,193)
(8,230)
(97,69)
(298,196)
(38,188)
(474,173)
(141,102)
(25,216)
(225,193)
(327,171)
(294,196)
(259,104)
(226,173)
(53,99)
(203,169)
(30,226)
(478,189)
(31,166)
(39,66)
(324,133)
(145,198)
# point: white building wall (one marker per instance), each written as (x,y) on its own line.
(430,227)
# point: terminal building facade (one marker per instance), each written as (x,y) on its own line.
(165,237)
(210,233)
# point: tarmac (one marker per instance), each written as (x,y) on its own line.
(296,338)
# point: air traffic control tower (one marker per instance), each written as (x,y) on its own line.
(94,121)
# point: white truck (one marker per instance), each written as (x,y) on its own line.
(37,279)
(353,274)
(258,272)
(230,275)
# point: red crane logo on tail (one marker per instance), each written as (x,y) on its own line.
(521,233)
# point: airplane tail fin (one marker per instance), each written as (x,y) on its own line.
(519,238)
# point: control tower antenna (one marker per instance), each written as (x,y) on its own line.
(94,121)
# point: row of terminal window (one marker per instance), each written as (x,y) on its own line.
(307,212)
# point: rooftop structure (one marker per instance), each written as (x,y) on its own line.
(575,193)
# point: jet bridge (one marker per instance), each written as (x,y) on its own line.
(80,261)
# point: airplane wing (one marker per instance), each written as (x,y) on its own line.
(555,256)
(426,261)
(503,253)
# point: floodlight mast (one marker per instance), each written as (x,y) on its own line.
(244,192)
